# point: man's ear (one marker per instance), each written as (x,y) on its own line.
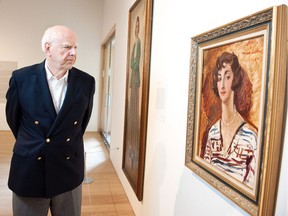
(47,49)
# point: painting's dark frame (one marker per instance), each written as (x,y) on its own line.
(138,183)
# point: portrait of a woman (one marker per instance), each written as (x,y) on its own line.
(134,102)
(137,89)
(230,142)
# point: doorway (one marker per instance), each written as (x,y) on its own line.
(107,57)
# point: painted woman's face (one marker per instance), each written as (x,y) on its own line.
(137,28)
(224,82)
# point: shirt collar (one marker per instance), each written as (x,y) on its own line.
(50,76)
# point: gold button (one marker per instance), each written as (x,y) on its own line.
(39,158)
(36,122)
(68,139)
(47,140)
(75,122)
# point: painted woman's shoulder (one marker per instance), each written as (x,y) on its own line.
(251,128)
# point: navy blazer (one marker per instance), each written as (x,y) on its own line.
(48,155)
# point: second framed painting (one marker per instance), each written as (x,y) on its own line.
(236,108)
(137,89)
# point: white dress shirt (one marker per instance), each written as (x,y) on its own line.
(57,88)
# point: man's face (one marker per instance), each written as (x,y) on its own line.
(63,51)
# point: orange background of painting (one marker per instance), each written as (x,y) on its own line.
(250,56)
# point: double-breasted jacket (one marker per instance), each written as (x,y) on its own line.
(48,155)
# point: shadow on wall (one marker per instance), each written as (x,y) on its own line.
(203,198)
(155,176)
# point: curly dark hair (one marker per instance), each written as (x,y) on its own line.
(241,85)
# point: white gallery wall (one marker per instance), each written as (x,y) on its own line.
(171,189)
(22,24)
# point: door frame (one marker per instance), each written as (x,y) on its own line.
(104,44)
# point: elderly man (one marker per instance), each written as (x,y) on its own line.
(48,109)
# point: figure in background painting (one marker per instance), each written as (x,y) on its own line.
(134,123)
(231,141)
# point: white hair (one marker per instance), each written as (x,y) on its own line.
(48,37)
(51,34)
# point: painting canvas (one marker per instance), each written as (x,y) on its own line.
(137,87)
(230,112)
(233,116)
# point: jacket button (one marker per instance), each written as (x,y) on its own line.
(36,122)
(67,158)
(68,139)
(75,122)
(47,140)
(39,158)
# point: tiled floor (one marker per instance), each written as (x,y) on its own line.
(104,196)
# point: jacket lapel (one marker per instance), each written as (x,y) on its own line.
(43,88)
(71,91)
(69,97)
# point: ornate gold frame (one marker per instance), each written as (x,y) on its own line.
(273,22)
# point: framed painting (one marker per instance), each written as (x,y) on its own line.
(236,107)
(137,89)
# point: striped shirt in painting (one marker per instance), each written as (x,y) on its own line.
(239,161)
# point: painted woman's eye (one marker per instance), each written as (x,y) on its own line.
(228,75)
(218,78)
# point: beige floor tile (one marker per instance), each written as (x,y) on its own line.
(104,196)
